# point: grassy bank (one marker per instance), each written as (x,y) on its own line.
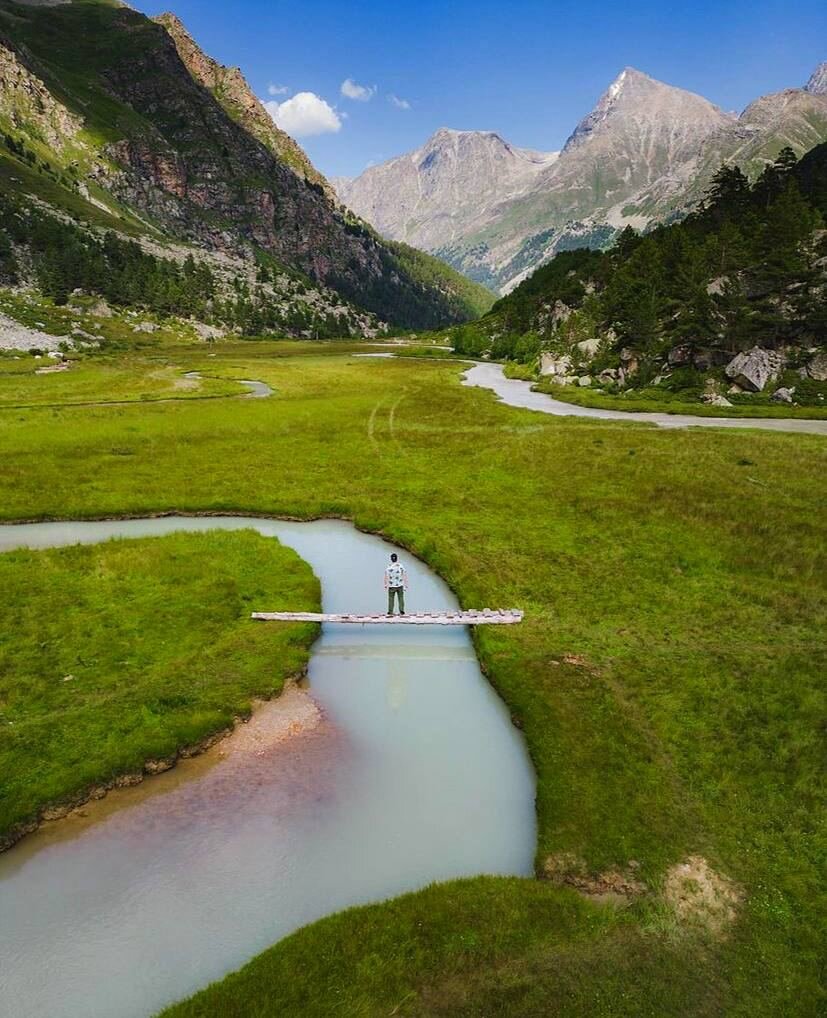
(115,654)
(668,676)
(125,378)
(663,401)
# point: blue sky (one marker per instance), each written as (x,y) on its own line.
(526,69)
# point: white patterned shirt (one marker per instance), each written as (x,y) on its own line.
(395,575)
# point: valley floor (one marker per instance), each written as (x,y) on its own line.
(668,676)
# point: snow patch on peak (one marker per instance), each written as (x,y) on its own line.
(614,89)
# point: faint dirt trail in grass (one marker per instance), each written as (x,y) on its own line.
(392,421)
(372,423)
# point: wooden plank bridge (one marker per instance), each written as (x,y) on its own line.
(484,617)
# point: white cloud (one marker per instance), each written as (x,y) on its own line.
(400,104)
(351,89)
(277,89)
(305,114)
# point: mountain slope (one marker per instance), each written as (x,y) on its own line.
(445,188)
(230,88)
(186,148)
(644,154)
(681,306)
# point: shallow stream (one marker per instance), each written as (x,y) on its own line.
(415,773)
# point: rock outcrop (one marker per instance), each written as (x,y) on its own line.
(817,368)
(29,105)
(753,369)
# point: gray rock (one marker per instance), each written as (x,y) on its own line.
(589,347)
(715,399)
(817,368)
(783,395)
(584,381)
(555,364)
(607,376)
(679,355)
(753,369)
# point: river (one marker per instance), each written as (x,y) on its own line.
(414,774)
(518,393)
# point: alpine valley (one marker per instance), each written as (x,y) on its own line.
(644,155)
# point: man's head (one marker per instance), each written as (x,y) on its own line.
(394,557)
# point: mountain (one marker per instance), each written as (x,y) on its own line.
(446,188)
(732,293)
(817,84)
(127,116)
(644,154)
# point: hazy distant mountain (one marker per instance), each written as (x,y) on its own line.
(444,190)
(644,153)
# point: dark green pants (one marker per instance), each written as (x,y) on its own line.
(400,595)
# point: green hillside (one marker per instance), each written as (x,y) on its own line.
(108,121)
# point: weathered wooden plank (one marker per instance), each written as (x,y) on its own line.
(461,618)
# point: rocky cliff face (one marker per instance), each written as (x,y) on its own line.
(181,141)
(230,88)
(644,154)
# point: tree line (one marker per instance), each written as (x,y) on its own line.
(745,269)
(63,258)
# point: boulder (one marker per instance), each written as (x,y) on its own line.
(715,399)
(589,347)
(607,376)
(555,364)
(584,381)
(560,312)
(783,395)
(752,369)
(817,368)
(678,356)
(630,360)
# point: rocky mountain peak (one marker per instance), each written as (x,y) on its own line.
(817,84)
(636,96)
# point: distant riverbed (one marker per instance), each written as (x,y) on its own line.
(518,393)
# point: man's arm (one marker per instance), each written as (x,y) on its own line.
(385,578)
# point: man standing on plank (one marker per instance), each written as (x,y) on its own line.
(396,583)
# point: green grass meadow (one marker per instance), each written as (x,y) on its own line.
(668,676)
(118,653)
